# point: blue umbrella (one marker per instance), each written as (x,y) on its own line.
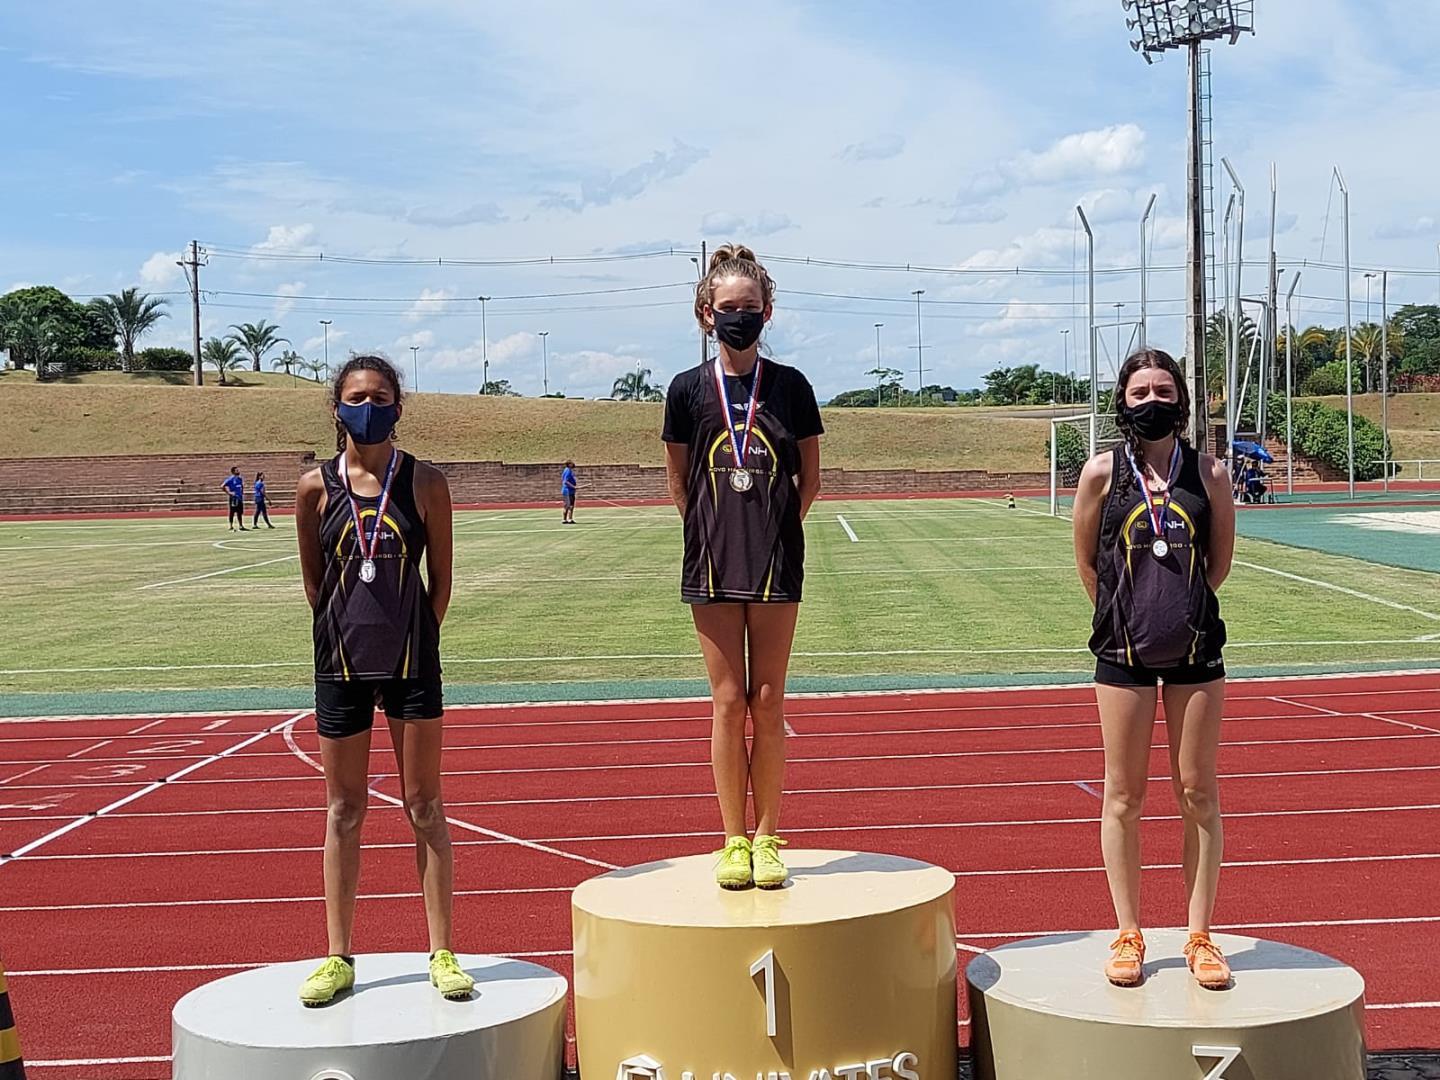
(1255,450)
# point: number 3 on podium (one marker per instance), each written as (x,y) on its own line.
(766,965)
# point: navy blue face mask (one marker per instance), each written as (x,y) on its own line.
(368,423)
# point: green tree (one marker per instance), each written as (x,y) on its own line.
(72,325)
(498,388)
(34,338)
(636,386)
(129,315)
(290,361)
(886,378)
(256,339)
(223,354)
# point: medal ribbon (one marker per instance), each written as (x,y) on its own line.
(1157,518)
(367,548)
(739,446)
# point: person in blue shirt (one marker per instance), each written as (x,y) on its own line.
(235,485)
(261,507)
(568,485)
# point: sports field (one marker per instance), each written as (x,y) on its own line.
(899,594)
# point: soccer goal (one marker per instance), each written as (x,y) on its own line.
(1070,447)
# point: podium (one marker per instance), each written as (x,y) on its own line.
(392,1026)
(1042,1008)
(849,970)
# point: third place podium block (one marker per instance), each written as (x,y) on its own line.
(847,973)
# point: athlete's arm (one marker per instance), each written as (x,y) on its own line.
(309,497)
(1090,496)
(1222,520)
(438,511)
(808,482)
(677,474)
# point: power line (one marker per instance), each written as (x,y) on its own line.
(446,299)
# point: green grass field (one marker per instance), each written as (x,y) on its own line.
(931,592)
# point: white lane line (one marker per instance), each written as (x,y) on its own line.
(75,1063)
(848,530)
(1088,789)
(1370,716)
(1396,605)
(110,808)
(215,725)
(93,746)
(1408,920)
(27,772)
(216,573)
(146,727)
(289,731)
(1406,1005)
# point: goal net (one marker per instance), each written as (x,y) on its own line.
(1069,449)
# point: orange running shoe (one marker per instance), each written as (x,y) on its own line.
(1126,966)
(1207,962)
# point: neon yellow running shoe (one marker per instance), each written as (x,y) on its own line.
(770,872)
(447,976)
(334,976)
(732,871)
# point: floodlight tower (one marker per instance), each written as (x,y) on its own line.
(1187,24)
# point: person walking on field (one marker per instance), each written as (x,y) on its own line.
(742,459)
(1154,538)
(262,507)
(568,484)
(235,486)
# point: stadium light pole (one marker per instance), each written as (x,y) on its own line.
(1231,414)
(325,329)
(484,348)
(1349,337)
(1385,377)
(1290,384)
(1145,273)
(1090,315)
(1272,286)
(1187,24)
(878,402)
(1065,347)
(415,366)
(545,360)
(919,347)
(1368,322)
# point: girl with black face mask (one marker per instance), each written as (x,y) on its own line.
(369,520)
(742,456)
(1154,537)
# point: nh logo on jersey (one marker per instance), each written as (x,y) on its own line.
(902,1066)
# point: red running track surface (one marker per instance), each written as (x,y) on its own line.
(158,853)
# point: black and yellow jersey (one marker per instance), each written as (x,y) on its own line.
(742,546)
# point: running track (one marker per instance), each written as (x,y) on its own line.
(131,889)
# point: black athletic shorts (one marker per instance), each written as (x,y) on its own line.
(344,708)
(1204,671)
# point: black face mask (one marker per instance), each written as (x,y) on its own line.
(739,329)
(1154,420)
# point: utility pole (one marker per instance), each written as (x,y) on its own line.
(1069,383)
(700,274)
(484,349)
(878,378)
(192,274)
(325,329)
(1195,263)
(919,346)
(545,360)
(415,365)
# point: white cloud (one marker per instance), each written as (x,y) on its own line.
(476,214)
(1018,317)
(287,289)
(734,226)
(1423,226)
(422,339)
(286,240)
(431,302)
(606,187)
(160,270)
(20,285)
(1104,152)
(879,148)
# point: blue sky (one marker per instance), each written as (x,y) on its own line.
(947,135)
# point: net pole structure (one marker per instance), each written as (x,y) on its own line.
(1145,274)
(1228,375)
(1090,315)
(1290,385)
(1239,309)
(1271,313)
(1385,379)
(1349,337)
(1195,255)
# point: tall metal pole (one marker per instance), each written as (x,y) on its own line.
(1145,273)
(1231,412)
(484,349)
(1349,338)
(1368,322)
(1385,375)
(1290,384)
(1239,285)
(325,329)
(195,307)
(1069,382)
(1194,261)
(1090,314)
(879,379)
(1267,362)
(415,366)
(545,361)
(919,346)
(700,268)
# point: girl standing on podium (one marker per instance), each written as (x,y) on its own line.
(742,458)
(1154,537)
(368,520)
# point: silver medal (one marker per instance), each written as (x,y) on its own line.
(367,571)
(1160,548)
(741,480)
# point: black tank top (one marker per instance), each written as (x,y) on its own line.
(1156,612)
(385,629)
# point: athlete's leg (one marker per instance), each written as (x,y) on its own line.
(721,628)
(1127,723)
(417,755)
(346,763)
(771,631)
(1192,720)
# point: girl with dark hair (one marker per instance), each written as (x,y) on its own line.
(368,521)
(742,458)
(262,506)
(1154,537)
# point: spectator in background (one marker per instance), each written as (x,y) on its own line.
(568,484)
(235,485)
(261,506)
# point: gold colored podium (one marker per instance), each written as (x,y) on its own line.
(847,973)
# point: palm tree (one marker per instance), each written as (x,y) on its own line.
(315,369)
(289,360)
(256,339)
(129,315)
(223,354)
(1366,341)
(32,340)
(636,386)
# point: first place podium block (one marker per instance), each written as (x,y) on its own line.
(847,973)
(393,1026)
(1041,1008)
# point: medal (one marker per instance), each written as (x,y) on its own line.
(741,479)
(368,545)
(1160,545)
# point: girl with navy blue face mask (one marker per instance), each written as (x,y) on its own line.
(369,521)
